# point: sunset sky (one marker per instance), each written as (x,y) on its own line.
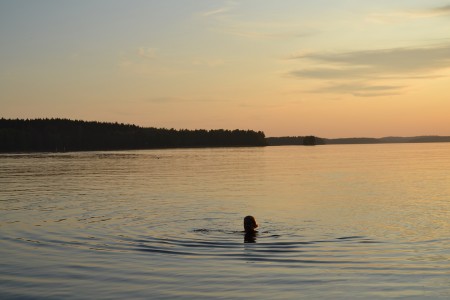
(330,68)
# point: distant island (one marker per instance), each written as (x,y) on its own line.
(60,135)
(311,140)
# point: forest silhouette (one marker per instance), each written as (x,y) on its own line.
(64,135)
(59,135)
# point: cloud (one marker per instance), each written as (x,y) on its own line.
(145,52)
(375,63)
(260,33)
(215,11)
(226,20)
(360,89)
(228,6)
(209,62)
(149,69)
(443,10)
(392,17)
(331,73)
(372,67)
(164,99)
(174,99)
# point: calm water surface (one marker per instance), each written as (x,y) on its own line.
(336,222)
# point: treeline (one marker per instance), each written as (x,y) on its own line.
(295,140)
(49,135)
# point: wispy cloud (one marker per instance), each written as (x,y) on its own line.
(259,33)
(172,99)
(227,7)
(398,16)
(360,89)
(374,66)
(215,11)
(164,99)
(443,10)
(226,20)
(209,62)
(149,68)
(378,62)
(146,52)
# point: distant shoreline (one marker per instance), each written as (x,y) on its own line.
(281,141)
(64,135)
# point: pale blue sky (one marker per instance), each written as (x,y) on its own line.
(326,67)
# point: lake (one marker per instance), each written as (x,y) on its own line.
(336,222)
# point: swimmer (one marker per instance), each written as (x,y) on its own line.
(250,224)
(249,227)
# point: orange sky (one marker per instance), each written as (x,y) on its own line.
(328,68)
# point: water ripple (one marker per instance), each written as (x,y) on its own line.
(335,223)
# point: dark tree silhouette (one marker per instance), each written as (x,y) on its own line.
(294,140)
(309,141)
(49,135)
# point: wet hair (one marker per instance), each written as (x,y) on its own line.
(250,224)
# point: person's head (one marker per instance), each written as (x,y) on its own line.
(250,224)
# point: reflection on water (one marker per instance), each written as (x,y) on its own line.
(336,222)
(250,237)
